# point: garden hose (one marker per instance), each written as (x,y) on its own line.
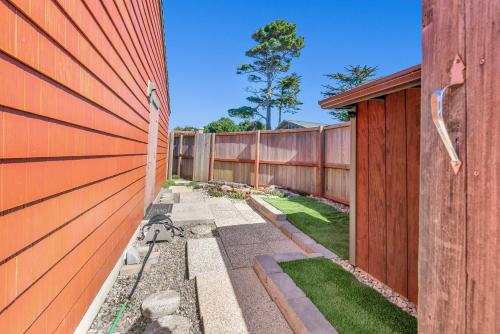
(129,297)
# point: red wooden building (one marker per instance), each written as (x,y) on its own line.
(84,112)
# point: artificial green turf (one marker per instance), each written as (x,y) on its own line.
(349,305)
(323,223)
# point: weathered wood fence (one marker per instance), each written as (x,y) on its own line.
(313,160)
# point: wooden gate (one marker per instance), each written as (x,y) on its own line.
(459,213)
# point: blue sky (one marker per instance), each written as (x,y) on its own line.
(207,39)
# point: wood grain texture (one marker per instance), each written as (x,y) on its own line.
(396,192)
(74,123)
(413,186)
(201,156)
(442,252)
(362,186)
(377,191)
(483,166)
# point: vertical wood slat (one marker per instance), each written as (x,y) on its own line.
(377,260)
(257,159)
(396,192)
(413,186)
(442,251)
(362,186)
(482,166)
(212,158)
(320,146)
(353,190)
(179,155)
(171,154)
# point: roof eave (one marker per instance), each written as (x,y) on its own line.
(407,78)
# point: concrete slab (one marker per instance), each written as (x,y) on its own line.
(265,318)
(186,214)
(285,247)
(236,302)
(221,204)
(180,189)
(219,308)
(242,255)
(233,221)
(249,234)
(288,229)
(189,197)
(206,255)
(181,182)
(226,214)
(252,216)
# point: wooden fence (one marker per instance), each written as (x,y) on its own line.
(313,160)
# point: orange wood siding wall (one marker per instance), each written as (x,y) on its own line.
(387,189)
(73,136)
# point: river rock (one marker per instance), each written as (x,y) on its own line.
(160,304)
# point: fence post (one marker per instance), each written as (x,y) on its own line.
(179,156)
(257,159)
(352,192)
(320,145)
(170,155)
(212,158)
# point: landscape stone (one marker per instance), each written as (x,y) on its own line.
(160,304)
(169,324)
(201,229)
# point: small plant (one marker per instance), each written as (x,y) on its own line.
(276,193)
(214,192)
(168,183)
(175,177)
(194,185)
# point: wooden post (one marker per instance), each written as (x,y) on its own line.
(170,155)
(320,147)
(212,158)
(257,159)
(352,192)
(179,156)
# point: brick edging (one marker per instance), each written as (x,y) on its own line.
(301,314)
(278,219)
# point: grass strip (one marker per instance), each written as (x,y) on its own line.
(323,223)
(349,305)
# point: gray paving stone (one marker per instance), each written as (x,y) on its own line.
(302,240)
(285,257)
(304,317)
(283,287)
(190,197)
(265,265)
(160,304)
(242,255)
(233,221)
(285,246)
(317,248)
(289,229)
(206,255)
(186,214)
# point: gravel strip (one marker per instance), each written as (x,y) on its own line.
(169,273)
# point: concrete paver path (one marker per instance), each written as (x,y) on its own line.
(230,295)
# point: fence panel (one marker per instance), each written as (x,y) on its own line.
(289,159)
(314,160)
(337,162)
